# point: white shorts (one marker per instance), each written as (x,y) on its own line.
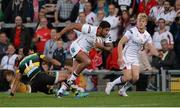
(129,63)
(74,49)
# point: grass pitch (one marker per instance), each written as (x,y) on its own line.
(95,99)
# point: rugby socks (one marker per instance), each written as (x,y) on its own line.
(117,81)
(73,77)
(62,89)
(127,85)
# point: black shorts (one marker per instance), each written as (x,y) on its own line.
(40,82)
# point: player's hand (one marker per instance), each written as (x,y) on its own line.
(99,45)
(120,61)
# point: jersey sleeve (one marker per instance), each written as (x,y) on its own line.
(86,28)
(108,39)
(128,34)
(41,56)
(149,40)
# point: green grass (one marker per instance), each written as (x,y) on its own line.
(99,99)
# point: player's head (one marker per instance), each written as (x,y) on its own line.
(103,29)
(28,51)
(142,20)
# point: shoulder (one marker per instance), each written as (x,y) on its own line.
(132,30)
(147,33)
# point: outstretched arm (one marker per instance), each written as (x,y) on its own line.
(52,61)
(68,28)
(15,83)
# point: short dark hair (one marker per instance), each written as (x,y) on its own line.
(27,49)
(1,32)
(162,19)
(104,24)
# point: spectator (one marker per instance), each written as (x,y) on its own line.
(168,57)
(3,44)
(9,60)
(162,33)
(156,10)
(42,14)
(63,11)
(127,5)
(100,17)
(1,11)
(36,10)
(78,8)
(20,35)
(42,35)
(114,22)
(51,44)
(145,6)
(168,14)
(177,6)
(175,30)
(50,8)
(125,23)
(20,54)
(81,19)
(71,37)
(103,6)
(90,16)
(21,8)
(59,55)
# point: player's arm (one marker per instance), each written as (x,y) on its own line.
(70,27)
(18,76)
(123,41)
(50,60)
(107,47)
(152,49)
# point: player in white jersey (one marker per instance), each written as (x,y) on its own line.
(80,47)
(134,40)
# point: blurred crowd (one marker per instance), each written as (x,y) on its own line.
(163,25)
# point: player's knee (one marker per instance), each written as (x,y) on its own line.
(135,78)
(127,78)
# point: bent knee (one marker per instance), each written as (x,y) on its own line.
(127,78)
(135,78)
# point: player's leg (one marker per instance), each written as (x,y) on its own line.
(135,73)
(135,77)
(83,61)
(127,76)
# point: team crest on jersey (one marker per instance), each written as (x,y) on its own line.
(72,50)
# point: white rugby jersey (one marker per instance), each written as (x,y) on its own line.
(136,42)
(91,18)
(87,38)
(167,16)
(157,37)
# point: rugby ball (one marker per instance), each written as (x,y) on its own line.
(99,40)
